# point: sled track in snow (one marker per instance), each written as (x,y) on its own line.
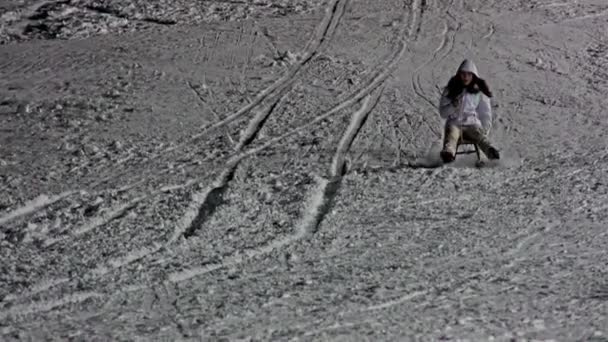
(326,189)
(40,287)
(212,197)
(338,165)
(93,224)
(333,14)
(318,203)
(318,198)
(491,31)
(308,223)
(99,221)
(310,219)
(35,307)
(115,213)
(203,204)
(35,205)
(206,201)
(324,31)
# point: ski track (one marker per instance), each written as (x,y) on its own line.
(127,259)
(415,80)
(585,17)
(309,52)
(319,199)
(333,13)
(34,206)
(353,99)
(356,123)
(199,209)
(93,224)
(206,204)
(315,210)
(491,32)
(395,302)
(416,83)
(376,307)
(203,203)
(308,223)
(256,124)
(35,307)
(117,212)
(98,221)
(40,287)
(555,4)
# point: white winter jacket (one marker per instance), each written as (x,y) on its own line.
(472,110)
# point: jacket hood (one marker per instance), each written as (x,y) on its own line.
(468,65)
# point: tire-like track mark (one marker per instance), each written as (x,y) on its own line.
(213,196)
(116,213)
(338,165)
(585,17)
(348,102)
(333,13)
(490,33)
(446,45)
(35,205)
(93,224)
(415,80)
(26,309)
(395,302)
(203,204)
(200,96)
(99,221)
(207,201)
(318,202)
(40,287)
(309,221)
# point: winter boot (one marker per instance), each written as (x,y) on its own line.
(493,153)
(447,156)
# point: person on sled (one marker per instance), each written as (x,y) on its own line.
(465,104)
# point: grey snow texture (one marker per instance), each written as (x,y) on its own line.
(243,170)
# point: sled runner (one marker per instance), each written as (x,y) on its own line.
(464,142)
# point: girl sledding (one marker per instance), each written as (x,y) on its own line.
(465,104)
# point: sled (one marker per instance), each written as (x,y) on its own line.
(464,142)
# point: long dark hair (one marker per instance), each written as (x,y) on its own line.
(455,87)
